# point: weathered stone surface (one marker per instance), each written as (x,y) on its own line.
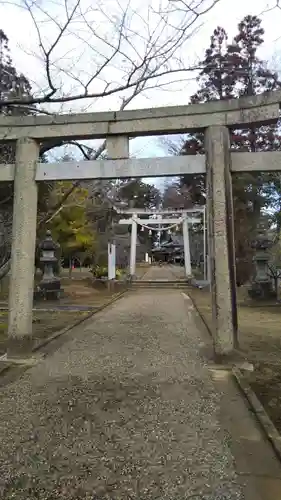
(256,162)
(143,167)
(257,109)
(23,241)
(246,102)
(221,240)
(118,146)
(114,169)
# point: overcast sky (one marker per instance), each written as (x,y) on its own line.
(18,25)
(75,49)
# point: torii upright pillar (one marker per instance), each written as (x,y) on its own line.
(134,233)
(186,247)
(23,254)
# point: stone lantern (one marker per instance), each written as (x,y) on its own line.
(50,285)
(261,283)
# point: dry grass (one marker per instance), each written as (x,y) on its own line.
(85,292)
(44,324)
(78,292)
(260,341)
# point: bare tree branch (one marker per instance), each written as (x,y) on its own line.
(92,52)
(89,154)
(268,8)
(140,44)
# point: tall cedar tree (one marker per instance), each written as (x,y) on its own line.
(141,195)
(14,84)
(232,70)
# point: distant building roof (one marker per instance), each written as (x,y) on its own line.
(175,240)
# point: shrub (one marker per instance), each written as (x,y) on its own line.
(99,272)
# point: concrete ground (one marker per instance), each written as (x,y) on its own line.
(164,272)
(128,407)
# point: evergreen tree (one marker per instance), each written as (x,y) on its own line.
(140,195)
(232,70)
(13,84)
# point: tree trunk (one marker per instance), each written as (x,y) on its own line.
(70,268)
(4,270)
(276,287)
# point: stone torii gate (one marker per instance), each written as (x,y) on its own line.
(134,221)
(214,119)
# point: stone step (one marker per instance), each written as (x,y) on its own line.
(159,288)
(160,281)
(159,284)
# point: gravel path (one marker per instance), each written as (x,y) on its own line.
(125,409)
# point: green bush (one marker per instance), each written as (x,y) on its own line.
(118,273)
(99,272)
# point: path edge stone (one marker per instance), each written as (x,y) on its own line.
(8,365)
(254,403)
(208,328)
(259,411)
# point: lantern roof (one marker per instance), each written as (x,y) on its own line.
(48,243)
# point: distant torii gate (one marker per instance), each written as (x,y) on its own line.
(184,220)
